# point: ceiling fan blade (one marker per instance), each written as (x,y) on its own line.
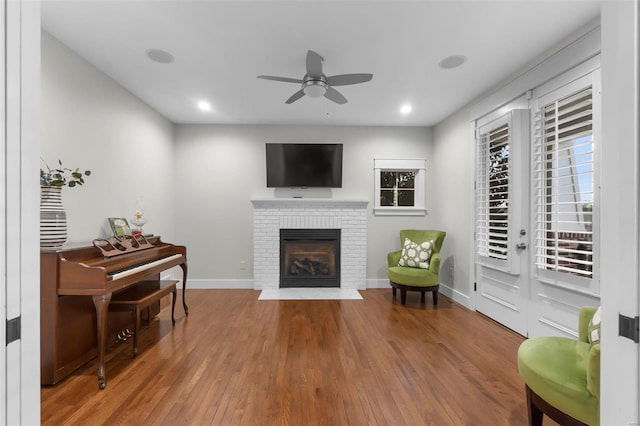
(285,79)
(295,97)
(346,79)
(335,96)
(314,64)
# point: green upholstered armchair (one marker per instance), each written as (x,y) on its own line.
(416,279)
(562,376)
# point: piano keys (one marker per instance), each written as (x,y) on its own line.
(141,268)
(75,327)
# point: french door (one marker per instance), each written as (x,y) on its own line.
(565,237)
(502,219)
(536,231)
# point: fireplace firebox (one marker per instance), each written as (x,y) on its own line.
(309,258)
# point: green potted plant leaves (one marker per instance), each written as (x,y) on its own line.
(61,176)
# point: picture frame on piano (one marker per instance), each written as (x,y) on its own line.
(119,226)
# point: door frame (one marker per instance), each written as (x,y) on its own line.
(19,187)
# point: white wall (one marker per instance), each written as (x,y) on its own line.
(453,154)
(91,122)
(220,168)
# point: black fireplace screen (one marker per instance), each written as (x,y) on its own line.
(309,258)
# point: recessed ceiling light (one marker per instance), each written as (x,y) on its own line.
(204,106)
(452,61)
(406,109)
(160,56)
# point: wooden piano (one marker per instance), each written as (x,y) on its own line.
(74,327)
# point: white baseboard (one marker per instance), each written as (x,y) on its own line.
(452,294)
(378,283)
(206,284)
(248,284)
(456,296)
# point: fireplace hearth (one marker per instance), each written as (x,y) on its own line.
(309,258)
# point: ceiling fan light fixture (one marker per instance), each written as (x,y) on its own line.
(314,88)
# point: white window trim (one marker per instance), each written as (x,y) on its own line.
(397,164)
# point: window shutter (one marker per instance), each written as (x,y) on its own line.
(482,199)
(564,184)
(492,192)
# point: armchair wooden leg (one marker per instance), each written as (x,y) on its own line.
(422,298)
(537,408)
(393,289)
(403,296)
(435,297)
(535,414)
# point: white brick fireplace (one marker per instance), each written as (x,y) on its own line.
(271,215)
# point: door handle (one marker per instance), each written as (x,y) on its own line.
(521,246)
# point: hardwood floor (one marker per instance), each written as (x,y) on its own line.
(240,361)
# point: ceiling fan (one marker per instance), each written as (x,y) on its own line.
(316,84)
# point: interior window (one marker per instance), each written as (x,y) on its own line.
(399,186)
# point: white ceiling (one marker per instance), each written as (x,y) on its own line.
(221,46)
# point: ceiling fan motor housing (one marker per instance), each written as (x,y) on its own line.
(314,87)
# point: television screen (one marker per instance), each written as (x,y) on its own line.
(291,165)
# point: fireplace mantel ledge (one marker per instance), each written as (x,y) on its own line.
(308,202)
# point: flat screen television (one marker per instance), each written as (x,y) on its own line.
(294,165)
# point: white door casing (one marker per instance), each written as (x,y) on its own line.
(3,282)
(19,188)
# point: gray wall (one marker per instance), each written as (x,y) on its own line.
(91,122)
(221,168)
(454,151)
(196,181)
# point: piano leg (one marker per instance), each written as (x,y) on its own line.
(102,306)
(173,304)
(184,286)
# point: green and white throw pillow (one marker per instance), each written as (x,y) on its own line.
(416,255)
(594,327)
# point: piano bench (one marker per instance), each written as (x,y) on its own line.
(141,296)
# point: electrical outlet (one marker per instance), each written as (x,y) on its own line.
(243,265)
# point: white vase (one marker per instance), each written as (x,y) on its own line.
(53,218)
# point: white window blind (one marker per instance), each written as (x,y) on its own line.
(564,184)
(492,191)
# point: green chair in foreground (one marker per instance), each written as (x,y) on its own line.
(562,375)
(416,266)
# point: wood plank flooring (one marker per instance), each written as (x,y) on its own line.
(240,361)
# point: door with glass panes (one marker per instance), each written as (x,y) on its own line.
(564,204)
(534,271)
(501,235)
